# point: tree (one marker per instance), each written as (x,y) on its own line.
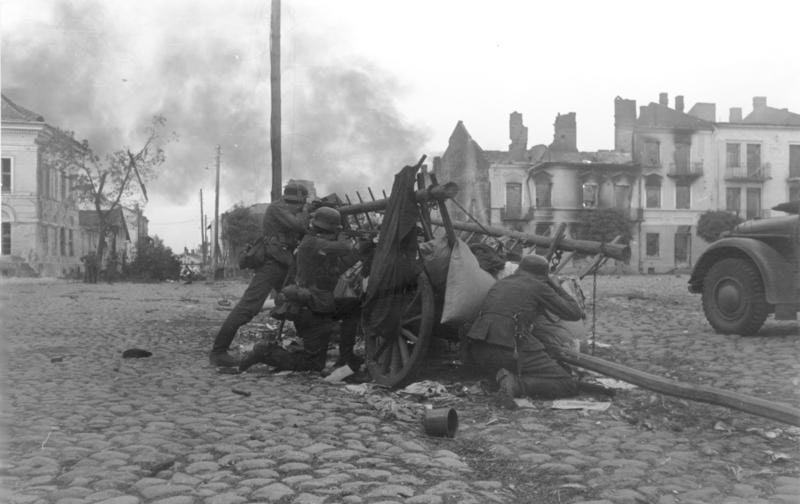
(713,223)
(105,183)
(154,262)
(604,224)
(241,225)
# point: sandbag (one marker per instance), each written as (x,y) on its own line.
(467,286)
(436,257)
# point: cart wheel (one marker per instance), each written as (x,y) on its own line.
(393,358)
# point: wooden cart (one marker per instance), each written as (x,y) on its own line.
(394,358)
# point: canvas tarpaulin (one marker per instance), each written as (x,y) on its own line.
(394,268)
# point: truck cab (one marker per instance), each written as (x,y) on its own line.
(751,272)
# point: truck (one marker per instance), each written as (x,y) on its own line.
(751,272)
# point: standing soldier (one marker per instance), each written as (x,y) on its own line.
(285,221)
(322,257)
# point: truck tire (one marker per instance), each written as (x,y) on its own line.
(733,297)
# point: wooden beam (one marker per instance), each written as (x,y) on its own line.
(749,404)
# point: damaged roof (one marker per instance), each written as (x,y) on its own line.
(10,111)
(656,115)
(772,116)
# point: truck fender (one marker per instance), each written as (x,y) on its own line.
(777,273)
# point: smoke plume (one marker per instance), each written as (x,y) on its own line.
(104,70)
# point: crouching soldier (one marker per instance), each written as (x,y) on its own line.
(503,340)
(322,256)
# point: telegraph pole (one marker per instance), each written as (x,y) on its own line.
(202,230)
(216,218)
(275,94)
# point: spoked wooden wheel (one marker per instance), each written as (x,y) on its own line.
(394,356)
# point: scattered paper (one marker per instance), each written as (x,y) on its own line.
(615,384)
(570,404)
(524,402)
(425,388)
(359,389)
(339,374)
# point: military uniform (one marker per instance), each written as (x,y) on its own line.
(504,335)
(283,225)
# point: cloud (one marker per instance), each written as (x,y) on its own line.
(104,69)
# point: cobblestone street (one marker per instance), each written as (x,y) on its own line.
(85,425)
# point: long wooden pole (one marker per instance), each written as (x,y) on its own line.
(202,230)
(215,246)
(749,404)
(275,93)
(613,250)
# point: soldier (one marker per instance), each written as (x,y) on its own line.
(322,256)
(503,340)
(284,223)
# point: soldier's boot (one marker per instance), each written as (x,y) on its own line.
(509,388)
(258,354)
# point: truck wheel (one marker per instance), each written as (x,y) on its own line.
(733,297)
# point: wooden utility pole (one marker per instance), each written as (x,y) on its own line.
(275,92)
(202,229)
(215,249)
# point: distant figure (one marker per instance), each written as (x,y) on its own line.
(90,267)
(284,224)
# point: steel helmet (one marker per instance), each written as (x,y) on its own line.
(295,193)
(327,218)
(534,264)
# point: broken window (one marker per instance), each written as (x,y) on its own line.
(652,188)
(652,248)
(682,158)
(683,197)
(794,161)
(683,240)
(622,195)
(733,155)
(651,153)
(753,203)
(5,180)
(544,186)
(513,200)
(753,159)
(590,192)
(733,200)
(6,240)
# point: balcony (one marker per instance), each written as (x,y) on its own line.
(759,173)
(515,214)
(685,171)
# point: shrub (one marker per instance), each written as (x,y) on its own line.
(713,223)
(154,262)
(604,224)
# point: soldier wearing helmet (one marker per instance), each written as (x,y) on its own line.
(322,256)
(503,339)
(284,223)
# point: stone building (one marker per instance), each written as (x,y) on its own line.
(41,234)
(691,163)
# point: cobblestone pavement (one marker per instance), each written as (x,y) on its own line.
(85,425)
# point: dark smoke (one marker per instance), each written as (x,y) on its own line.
(341,127)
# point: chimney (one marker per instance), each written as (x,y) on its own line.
(735,115)
(624,123)
(518,134)
(663,99)
(679,103)
(566,133)
(759,102)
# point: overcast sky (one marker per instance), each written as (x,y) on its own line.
(371,85)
